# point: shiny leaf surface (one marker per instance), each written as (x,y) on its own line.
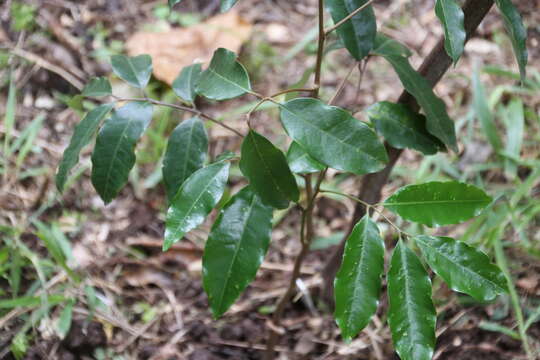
(300,162)
(403,128)
(225,78)
(411,314)
(358,33)
(194,201)
(438,123)
(517,32)
(114,153)
(84,131)
(385,45)
(267,170)
(332,136)
(235,249)
(99,86)
(184,85)
(451,16)
(136,70)
(185,154)
(358,282)
(438,203)
(462,267)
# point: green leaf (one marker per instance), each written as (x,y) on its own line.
(438,203)
(411,314)
(184,85)
(114,153)
(194,201)
(462,267)
(84,131)
(266,168)
(99,86)
(174,2)
(63,324)
(358,282)
(333,137)
(225,78)
(135,70)
(227,4)
(300,162)
(31,301)
(358,33)
(514,120)
(235,249)
(439,123)
(452,18)
(518,33)
(185,154)
(483,112)
(403,128)
(385,45)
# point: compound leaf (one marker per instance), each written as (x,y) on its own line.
(358,282)
(332,136)
(403,128)
(99,86)
(518,33)
(136,70)
(84,131)
(358,33)
(300,162)
(184,85)
(452,18)
(462,267)
(267,170)
(225,78)
(438,123)
(186,153)
(114,153)
(235,249)
(411,314)
(438,203)
(194,201)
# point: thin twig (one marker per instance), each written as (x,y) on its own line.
(342,84)
(183,108)
(347,18)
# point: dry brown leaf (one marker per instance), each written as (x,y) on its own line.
(174,49)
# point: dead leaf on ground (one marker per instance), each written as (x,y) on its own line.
(174,49)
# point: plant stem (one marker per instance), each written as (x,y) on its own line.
(347,18)
(183,108)
(320,51)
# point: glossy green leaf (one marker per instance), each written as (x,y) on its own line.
(358,33)
(438,203)
(225,78)
(438,123)
(452,18)
(462,267)
(174,2)
(84,131)
(358,282)
(135,70)
(194,201)
(235,249)
(184,85)
(411,314)
(333,136)
(516,30)
(403,128)
(99,86)
(385,45)
(114,153)
(266,168)
(483,112)
(300,162)
(186,153)
(227,4)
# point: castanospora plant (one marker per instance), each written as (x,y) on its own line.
(322,136)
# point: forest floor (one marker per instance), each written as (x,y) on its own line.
(133,301)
